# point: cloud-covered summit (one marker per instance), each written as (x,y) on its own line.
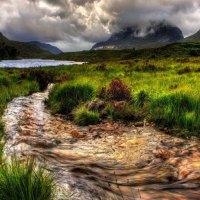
(77,24)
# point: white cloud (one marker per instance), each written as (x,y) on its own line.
(77,24)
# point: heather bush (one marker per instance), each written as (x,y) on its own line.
(118,90)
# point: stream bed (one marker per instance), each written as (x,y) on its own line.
(109,161)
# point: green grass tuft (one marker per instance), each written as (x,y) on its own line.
(22,181)
(84,117)
(65,97)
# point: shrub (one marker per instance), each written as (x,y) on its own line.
(118,90)
(65,97)
(149,68)
(43,77)
(127,112)
(83,116)
(185,70)
(194,52)
(5,81)
(142,98)
(101,67)
(25,182)
(102,94)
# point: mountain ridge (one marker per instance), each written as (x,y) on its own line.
(10,49)
(156,35)
(194,37)
(45,46)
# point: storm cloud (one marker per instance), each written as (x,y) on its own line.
(78,24)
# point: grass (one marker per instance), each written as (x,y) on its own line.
(177,110)
(65,97)
(149,81)
(23,181)
(83,116)
(162,89)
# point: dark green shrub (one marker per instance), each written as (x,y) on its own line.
(84,117)
(118,90)
(4,81)
(25,182)
(126,113)
(65,97)
(185,70)
(142,98)
(101,67)
(102,94)
(1,129)
(149,68)
(43,77)
(194,52)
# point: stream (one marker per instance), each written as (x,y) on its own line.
(109,161)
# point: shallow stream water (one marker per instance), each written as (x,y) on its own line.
(107,161)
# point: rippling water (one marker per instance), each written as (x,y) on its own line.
(27,63)
(110,161)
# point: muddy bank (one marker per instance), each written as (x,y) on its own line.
(107,161)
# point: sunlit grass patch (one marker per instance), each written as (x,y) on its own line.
(24,181)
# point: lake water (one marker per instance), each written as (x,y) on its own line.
(27,63)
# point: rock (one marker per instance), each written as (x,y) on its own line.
(119,104)
(97,105)
(139,124)
(77,134)
(164,154)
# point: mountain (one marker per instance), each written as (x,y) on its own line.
(195,37)
(156,35)
(47,47)
(12,49)
(3,38)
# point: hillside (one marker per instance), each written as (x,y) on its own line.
(195,37)
(155,35)
(47,47)
(13,49)
(171,50)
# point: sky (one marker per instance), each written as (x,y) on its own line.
(75,25)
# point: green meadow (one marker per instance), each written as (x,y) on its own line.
(165,91)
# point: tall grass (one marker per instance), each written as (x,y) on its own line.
(65,97)
(84,117)
(23,181)
(177,111)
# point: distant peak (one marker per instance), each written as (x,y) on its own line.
(156,34)
(2,37)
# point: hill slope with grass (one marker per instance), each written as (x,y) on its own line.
(195,37)
(47,47)
(172,50)
(12,49)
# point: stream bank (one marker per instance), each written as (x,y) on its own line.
(111,160)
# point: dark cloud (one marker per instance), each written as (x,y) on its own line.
(76,24)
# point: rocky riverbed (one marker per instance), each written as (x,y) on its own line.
(111,160)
